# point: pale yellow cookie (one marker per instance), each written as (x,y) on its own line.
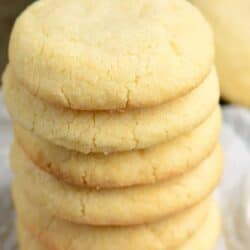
(26,241)
(58,234)
(160,162)
(230,20)
(204,239)
(87,131)
(110,54)
(120,206)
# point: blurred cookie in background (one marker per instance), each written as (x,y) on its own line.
(230,20)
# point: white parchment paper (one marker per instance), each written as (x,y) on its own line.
(233,193)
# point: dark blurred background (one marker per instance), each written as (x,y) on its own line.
(9,10)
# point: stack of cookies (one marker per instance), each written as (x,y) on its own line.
(116,120)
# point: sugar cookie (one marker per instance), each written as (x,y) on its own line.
(87,131)
(120,206)
(96,55)
(134,167)
(58,234)
(204,239)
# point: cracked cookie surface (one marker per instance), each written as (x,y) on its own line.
(205,238)
(99,55)
(169,232)
(160,162)
(119,206)
(103,131)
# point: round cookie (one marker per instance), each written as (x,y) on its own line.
(204,239)
(230,20)
(96,55)
(121,206)
(101,131)
(58,234)
(146,166)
